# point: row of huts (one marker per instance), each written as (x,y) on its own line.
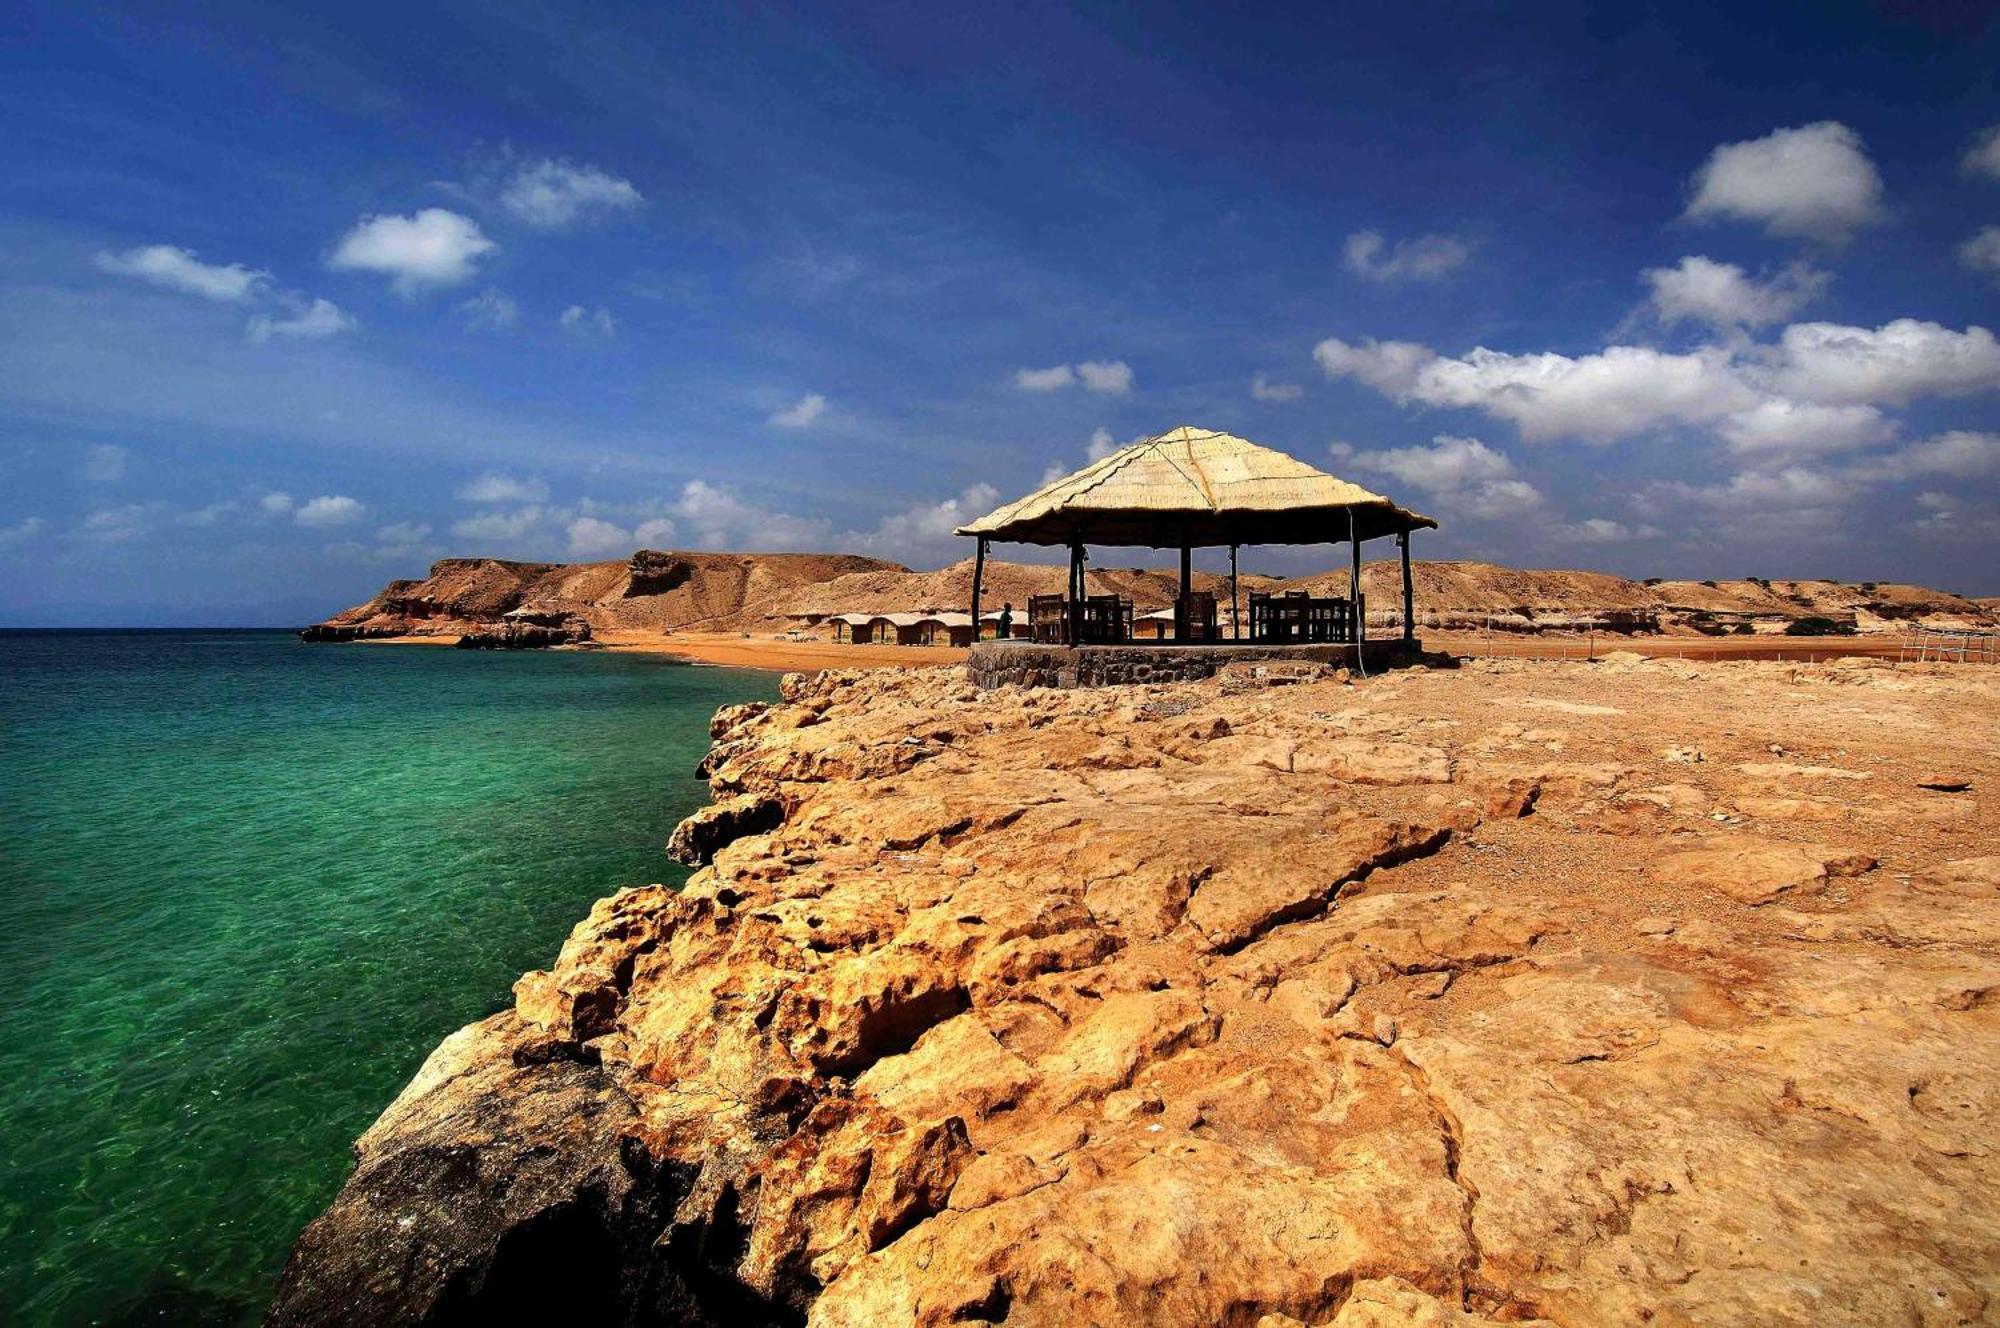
(945,627)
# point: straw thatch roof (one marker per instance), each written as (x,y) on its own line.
(1200,487)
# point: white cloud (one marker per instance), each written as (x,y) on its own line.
(1617,391)
(497,487)
(1814,181)
(21,531)
(801,413)
(178,269)
(402,535)
(1983,157)
(328,510)
(1602,530)
(654,534)
(1778,424)
(498,526)
(1722,295)
(321,318)
(576,317)
(1981,253)
(555,194)
(1960,453)
(1832,363)
(1390,367)
(1044,380)
(721,520)
(1757,388)
(489,311)
(926,529)
(1109,377)
(1422,258)
(276,504)
(1265,389)
(104,463)
(435,247)
(591,537)
(116,525)
(1101,444)
(209,515)
(1463,473)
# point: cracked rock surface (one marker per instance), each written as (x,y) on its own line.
(1450,998)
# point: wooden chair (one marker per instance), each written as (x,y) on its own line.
(1194,617)
(1107,620)
(1048,622)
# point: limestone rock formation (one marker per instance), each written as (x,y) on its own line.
(1447,998)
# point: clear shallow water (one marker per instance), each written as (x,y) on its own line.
(245,885)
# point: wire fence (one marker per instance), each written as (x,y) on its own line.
(1946,644)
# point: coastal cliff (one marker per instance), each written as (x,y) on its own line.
(1635,992)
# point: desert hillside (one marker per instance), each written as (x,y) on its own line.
(764,592)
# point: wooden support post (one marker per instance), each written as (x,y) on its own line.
(978,572)
(1076,592)
(1183,629)
(1235,614)
(1409,592)
(1360,632)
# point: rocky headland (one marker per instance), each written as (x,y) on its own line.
(1635,992)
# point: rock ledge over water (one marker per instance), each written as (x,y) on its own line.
(1443,998)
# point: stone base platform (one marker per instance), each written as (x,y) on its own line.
(1027,664)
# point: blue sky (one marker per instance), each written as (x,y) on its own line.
(291,302)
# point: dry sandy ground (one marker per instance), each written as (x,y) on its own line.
(735,650)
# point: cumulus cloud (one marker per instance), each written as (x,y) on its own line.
(720,519)
(654,534)
(1602,530)
(1722,295)
(1622,390)
(499,526)
(925,530)
(21,531)
(1110,377)
(1617,391)
(1815,181)
(276,504)
(1983,157)
(590,537)
(179,269)
(497,487)
(1266,389)
(1778,424)
(578,318)
(1959,453)
(1102,444)
(1464,474)
(1044,380)
(399,535)
(116,525)
(1419,258)
(104,463)
(1906,358)
(435,247)
(554,195)
(1981,253)
(328,510)
(800,414)
(489,311)
(321,318)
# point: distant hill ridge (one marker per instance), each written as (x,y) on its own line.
(665,591)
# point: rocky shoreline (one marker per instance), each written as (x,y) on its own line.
(1635,992)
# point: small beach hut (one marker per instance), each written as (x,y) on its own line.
(1191,488)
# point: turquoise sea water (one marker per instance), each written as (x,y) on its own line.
(245,885)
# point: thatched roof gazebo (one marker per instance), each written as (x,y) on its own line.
(1194,488)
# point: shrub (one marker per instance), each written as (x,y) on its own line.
(1816,626)
(1710,584)
(1744,629)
